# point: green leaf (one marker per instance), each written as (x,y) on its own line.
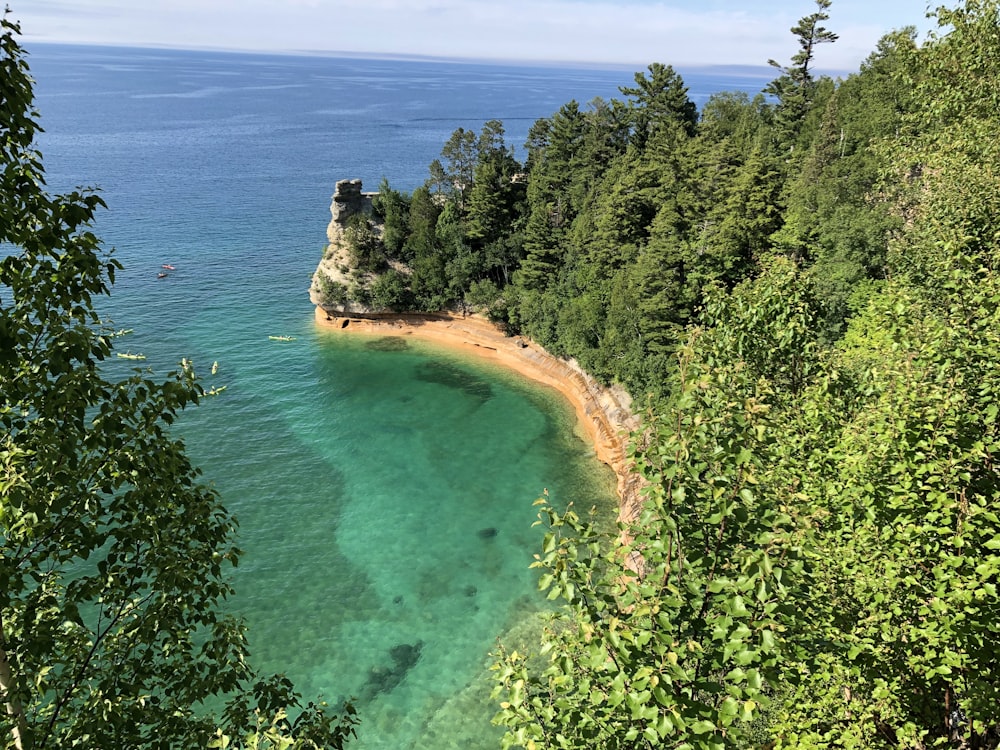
(736,607)
(703,726)
(664,727)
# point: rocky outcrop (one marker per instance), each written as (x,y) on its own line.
(334,277)
(348,201)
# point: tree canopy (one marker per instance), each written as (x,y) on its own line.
(816,560)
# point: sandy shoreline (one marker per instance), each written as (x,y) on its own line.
(604,413)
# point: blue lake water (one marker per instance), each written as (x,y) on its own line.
(384,488)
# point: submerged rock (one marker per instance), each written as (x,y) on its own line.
(388,344)
(452,376)
(384,679)
(405,655)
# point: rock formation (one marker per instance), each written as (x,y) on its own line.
(385,678)
(348,201)
(334,277)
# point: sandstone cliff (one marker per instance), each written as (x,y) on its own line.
(335,278)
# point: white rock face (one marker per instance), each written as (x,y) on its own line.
(348,201)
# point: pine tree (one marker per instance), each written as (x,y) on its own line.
(660,99)
(795,88)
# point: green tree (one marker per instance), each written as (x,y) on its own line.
(554,158)
(897,616)
(424,212)
(659,99)
(836,216)
(113,554)
(502,256)
(390,291)
(484,296)
(672,637)
(454,176)
(394,210)
(736,232)
(625,350)
(493,205)
(665,296)
(365,248)
(735,188)
(795,88)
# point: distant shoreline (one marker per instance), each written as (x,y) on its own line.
(604,413)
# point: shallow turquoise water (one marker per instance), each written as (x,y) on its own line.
(385,498)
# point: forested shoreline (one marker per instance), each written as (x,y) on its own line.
(627,215)
(802,286)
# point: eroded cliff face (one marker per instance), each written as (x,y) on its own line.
(335,276)
(604,413)
(348,201)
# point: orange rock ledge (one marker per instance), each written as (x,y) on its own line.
(604,413)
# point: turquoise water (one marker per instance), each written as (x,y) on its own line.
(384,488)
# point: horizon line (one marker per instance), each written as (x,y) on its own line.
(748,69)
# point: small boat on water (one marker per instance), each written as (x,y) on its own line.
(162,275)
(282,338)
(216,391)
(130,355)
(122,332)
(168,267)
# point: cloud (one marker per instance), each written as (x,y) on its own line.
(680,32)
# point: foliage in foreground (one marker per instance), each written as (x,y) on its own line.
(113,555)
(817,556)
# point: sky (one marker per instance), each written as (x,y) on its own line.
(632,32)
